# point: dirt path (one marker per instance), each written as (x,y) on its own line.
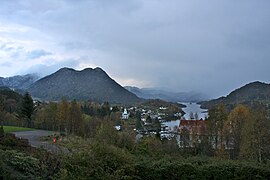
(34,140)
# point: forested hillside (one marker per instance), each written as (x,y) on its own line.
(9,106)
(252,93)
(88,84)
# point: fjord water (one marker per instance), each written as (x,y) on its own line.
(190,107)
(194,108)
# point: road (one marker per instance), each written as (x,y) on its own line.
(35,141)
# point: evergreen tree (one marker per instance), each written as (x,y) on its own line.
(149,119)
(2,111)
(27,109)
(104,110)
(2,114)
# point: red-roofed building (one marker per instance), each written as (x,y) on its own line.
(191,132)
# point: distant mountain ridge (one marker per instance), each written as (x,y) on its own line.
(258,92)
(88,84)
(150,93)
(19,82)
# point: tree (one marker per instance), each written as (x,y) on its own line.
(51,111)
(215,123)
(196,116)
(2,111)
(255,136)
(27,109)
(40,119)
(115,109)
(62,115)
(1,117)
(234,127)
(104,110)
(75,123)
(106,133)
(191,115)
(45,116)
(149,119)
(91,124)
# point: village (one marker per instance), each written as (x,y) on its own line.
(167,124)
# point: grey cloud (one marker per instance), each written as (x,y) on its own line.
(46,69)
(209,46)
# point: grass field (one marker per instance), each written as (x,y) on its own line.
(16,129)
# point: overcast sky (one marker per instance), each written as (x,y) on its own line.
(208,46)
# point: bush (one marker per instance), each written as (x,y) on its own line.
(198,168)
(9,140)
(164,169)
(17,165)
(102,161)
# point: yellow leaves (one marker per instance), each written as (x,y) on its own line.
(237,117)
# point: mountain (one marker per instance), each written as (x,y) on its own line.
(18,82)
(255,92)
(88,84)
(149,93)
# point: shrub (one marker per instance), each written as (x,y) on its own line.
(17,165)
(102,161)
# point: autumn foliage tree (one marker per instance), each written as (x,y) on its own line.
(62,115)
(215,125)
(255,136)
(45,117)
(75,119)
(234,128)
(65,117)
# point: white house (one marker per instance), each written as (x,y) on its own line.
(125,114)
(118,128)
